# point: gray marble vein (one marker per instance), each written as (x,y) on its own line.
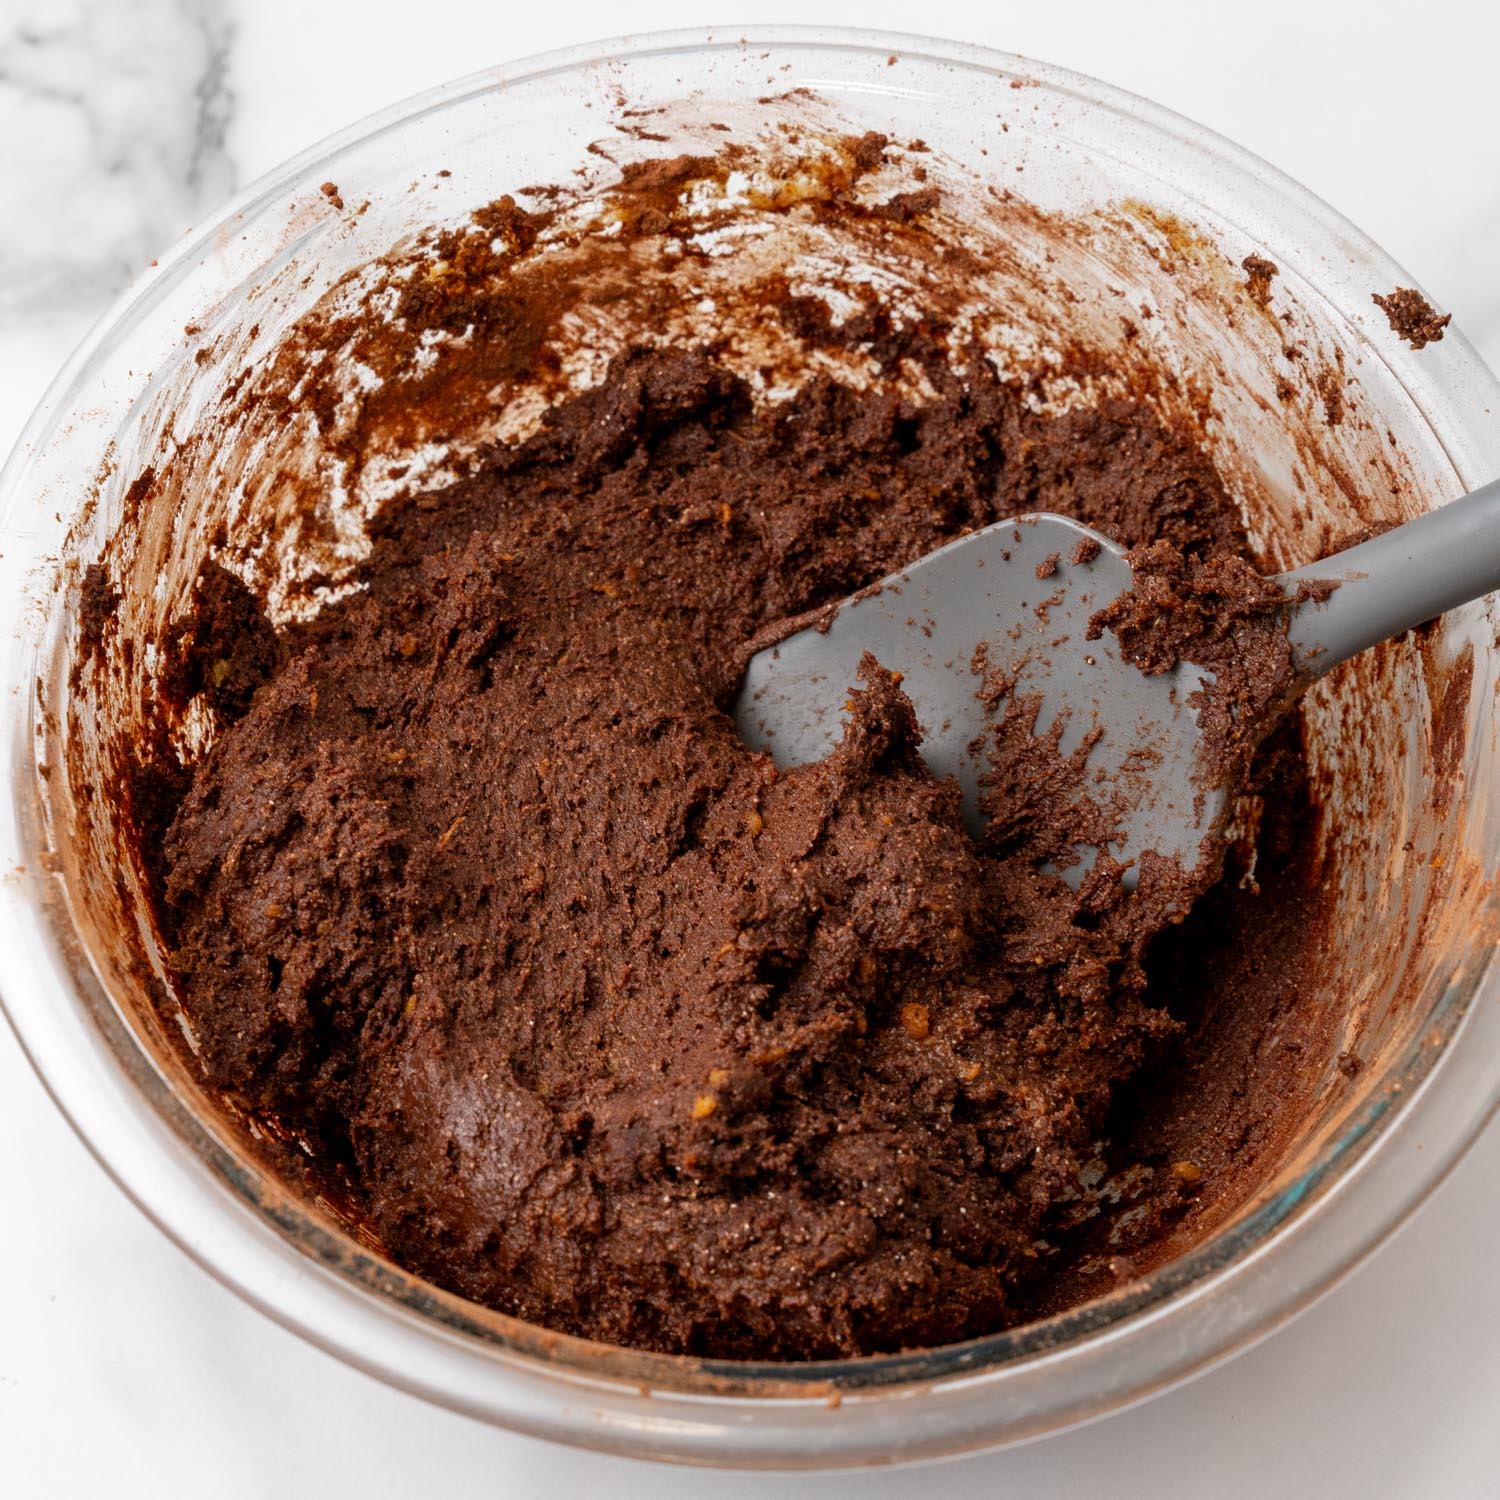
(113,122)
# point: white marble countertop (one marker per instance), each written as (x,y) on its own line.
(124,1370)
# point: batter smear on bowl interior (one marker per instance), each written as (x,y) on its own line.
(594,1017)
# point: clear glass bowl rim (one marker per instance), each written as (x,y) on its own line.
(715,1411)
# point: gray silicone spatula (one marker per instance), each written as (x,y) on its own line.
(926,622)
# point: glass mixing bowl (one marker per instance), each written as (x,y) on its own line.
(1417,991)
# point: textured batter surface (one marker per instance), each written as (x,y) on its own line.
(600,1020)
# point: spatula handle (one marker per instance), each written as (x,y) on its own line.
(1404,578)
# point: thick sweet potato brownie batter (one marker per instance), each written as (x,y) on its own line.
(596,1017)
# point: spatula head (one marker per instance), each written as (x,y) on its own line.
(1023,590)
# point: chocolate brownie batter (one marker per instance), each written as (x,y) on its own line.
(1221,614)
(593,1015)
(1412,317)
